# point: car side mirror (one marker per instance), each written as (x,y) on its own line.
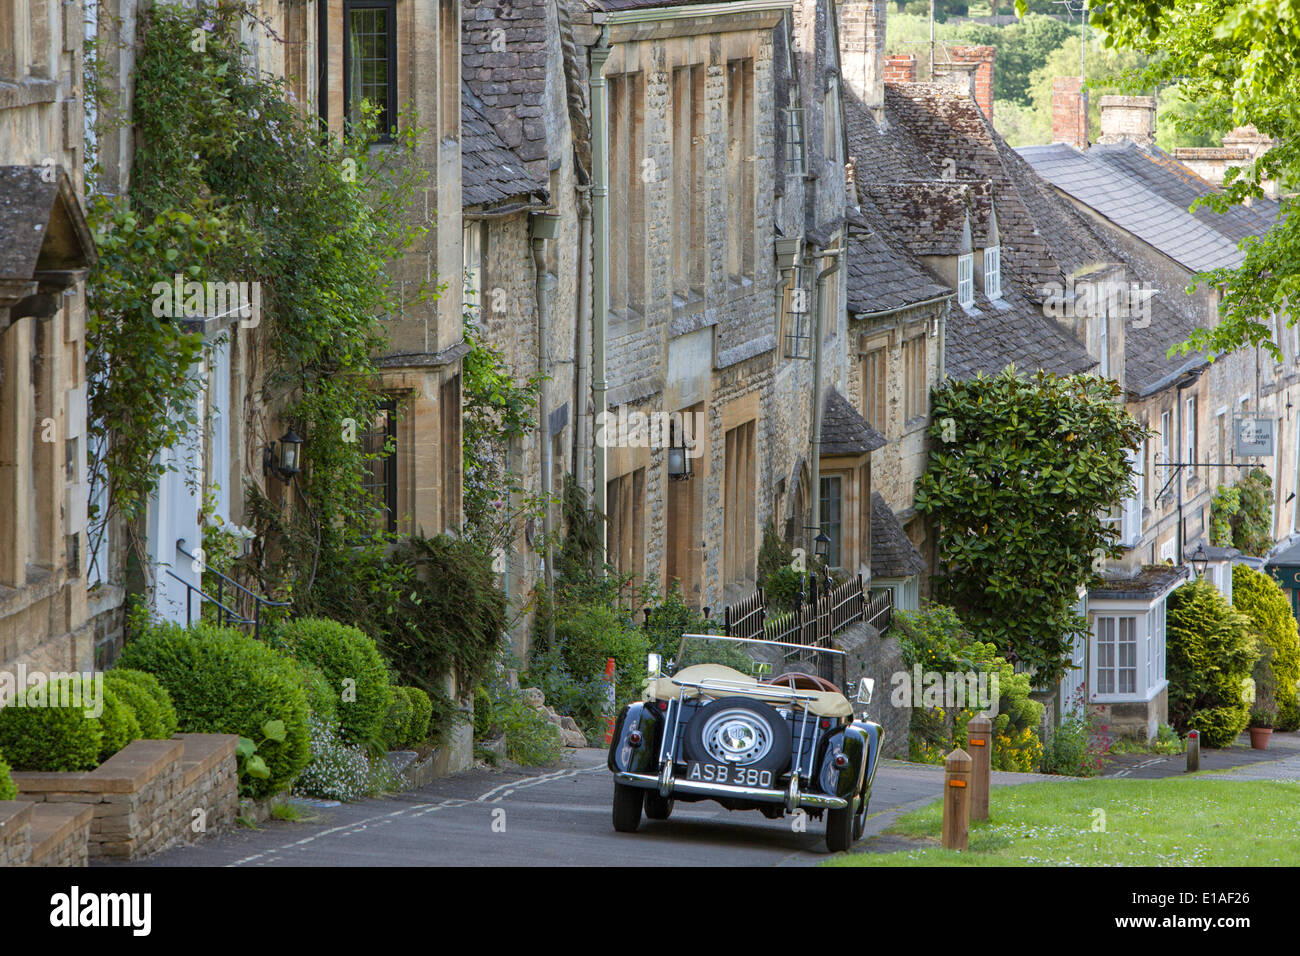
(866,687)
(654,665)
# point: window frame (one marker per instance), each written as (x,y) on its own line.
(966,280)
(993,273)
(388,407)
(389,116)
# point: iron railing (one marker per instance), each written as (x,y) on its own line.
(816,616)
(225,615)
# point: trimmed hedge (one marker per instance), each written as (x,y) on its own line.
(397,724)
(7,789)
(355,670)
(1261,599)
(322,698)
(421,716)
(149,699)
(118,722)
(223,681)
(42,736)
(1210,654)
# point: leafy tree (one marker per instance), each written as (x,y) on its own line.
(1261,598)
(1238,64)
(1210,652)
(1020,471)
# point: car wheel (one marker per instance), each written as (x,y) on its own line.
(740,732)
(839,829)
(627,807)
(657,807)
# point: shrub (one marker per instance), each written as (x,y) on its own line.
(223,681)
(322,697)
(531,739)
(1262,599)
(669,620)
(352,663)
(118,722)
(587,636)
(148,699)
(583,699)
(7,789)
(1210,655)
(421,715)
(1241,515)
(782,589)
(52,732)
(1073,748)
(339,770)
(397,722)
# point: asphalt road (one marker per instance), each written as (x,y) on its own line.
(558,817)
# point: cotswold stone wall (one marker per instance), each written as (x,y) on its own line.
(149,796)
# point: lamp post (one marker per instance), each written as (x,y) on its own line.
(1200,560)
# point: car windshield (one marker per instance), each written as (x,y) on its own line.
(763,660)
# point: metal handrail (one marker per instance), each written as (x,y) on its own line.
(180,542)
(259,601)
(190,590)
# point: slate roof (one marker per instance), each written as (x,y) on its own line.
(491,172)
(883,276)
(1115,192)
(892,553)
(844,431)
(1152,581)
(510,84)
(930,217)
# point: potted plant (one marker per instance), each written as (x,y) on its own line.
(1261,727)
(1265,707)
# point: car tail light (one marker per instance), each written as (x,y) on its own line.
(634,738)
(841,760)
(663,705)
(826,725)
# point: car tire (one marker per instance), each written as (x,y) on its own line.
(772,744)
(627,807)
(839,829)
(657,807)
(860,818)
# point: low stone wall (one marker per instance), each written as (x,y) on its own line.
(60,834)
(15,832)
(879,658)
(150,795)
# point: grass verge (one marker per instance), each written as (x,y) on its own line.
(1169,822)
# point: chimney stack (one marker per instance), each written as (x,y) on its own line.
(1128,119)
(982,57)
(862,51)
(900,68)
(1069,111)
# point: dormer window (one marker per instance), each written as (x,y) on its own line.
(966,280)
(993,272)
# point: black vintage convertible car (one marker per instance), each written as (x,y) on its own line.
(752,724)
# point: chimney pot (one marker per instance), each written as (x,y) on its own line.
(1069,112)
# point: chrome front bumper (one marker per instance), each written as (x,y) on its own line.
(646,781)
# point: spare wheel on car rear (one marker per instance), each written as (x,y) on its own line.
(740,732)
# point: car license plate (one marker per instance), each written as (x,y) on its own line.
(728,774)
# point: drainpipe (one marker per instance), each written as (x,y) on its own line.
(599,257)
(543,416)
(582,333)
(816,489)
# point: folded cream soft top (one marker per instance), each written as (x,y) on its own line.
(824,703)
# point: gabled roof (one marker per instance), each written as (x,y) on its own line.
(1117,194)
(892,553)
(45,243)
(510,81)
(844,431)
(882,275)
(491,172)
(933,218)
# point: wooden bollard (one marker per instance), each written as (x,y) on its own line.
(980,735)
(956,800)
(1193,751)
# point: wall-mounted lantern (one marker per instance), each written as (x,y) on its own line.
(284,458)
(679,462)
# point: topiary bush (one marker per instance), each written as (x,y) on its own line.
(1209,659)
(352,664)
(223,681)
(1262,599)
(322,698)
(397,722)
(53,730)
(151,704)
(118,722)
(421,715)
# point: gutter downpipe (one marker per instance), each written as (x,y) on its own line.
(815,490)
(544,417)
(583,345)
(599,261)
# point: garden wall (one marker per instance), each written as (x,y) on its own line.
(149,796)
(880,658)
